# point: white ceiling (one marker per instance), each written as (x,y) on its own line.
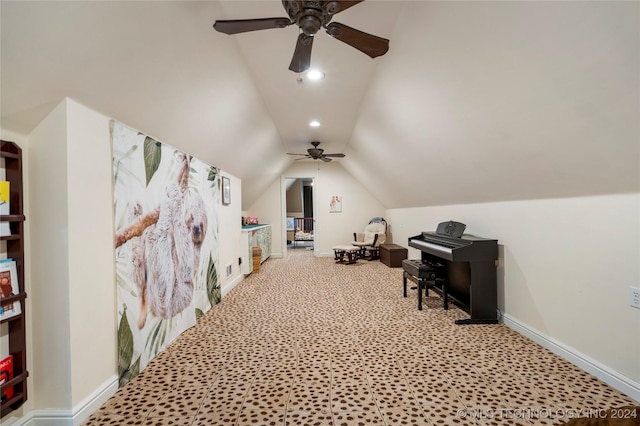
(474,102)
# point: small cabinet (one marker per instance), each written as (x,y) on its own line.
(254,236)
(15,326)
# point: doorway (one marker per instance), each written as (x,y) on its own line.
(299,214)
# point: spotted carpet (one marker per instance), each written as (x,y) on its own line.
(307,341)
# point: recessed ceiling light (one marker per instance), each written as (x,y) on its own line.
(314,123)
(315,75)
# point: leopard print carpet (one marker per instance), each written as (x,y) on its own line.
(307,341)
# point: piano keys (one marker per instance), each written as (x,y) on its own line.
(471,275)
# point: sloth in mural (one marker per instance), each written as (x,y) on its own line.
(166,256)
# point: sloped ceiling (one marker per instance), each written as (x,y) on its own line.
(493,101)
(475,101)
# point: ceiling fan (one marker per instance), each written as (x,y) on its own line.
(310,16)
(317,153)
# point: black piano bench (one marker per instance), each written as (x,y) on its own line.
(427,276)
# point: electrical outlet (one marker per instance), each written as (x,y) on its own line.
(229,269)
(634,295)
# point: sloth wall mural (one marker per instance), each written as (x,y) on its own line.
(166,244)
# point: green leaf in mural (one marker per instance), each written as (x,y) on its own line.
(199,314)
(153,340)
(135,368)
(125,345)
(161,341)
(152,157)
(213,289)
(129,374)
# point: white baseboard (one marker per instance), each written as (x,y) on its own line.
(22,421)
(91,403)
(75,416)
(614,379)
(51,418)
(234,282)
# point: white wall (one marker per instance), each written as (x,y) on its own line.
(268,210)
(566,266)
(358,207)
(72,273)
(50,257)
(91,255)
(331,229)
(229,236)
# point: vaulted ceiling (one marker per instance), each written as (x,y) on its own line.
(474,102)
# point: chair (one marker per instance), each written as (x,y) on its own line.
(375,233)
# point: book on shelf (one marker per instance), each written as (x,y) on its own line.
(6,374)
(5,196)
(9,287)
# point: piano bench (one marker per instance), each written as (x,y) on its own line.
(426,284)
(426,276)
(419,269)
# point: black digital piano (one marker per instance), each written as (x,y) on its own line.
(470,265)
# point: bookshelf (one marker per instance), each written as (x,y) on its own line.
(16,326)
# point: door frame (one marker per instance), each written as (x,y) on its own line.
(283,212)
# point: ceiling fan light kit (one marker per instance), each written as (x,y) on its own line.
(310,17)
(315,75)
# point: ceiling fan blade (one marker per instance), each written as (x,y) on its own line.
(368,44)
(344,5)
(325,159)
(293,153)
(245,25)
(301,60)
(334,155)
